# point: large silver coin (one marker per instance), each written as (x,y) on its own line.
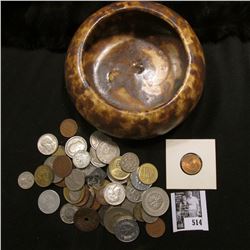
(25,180)
(129,162)
(94,160)
(133,194)
(48,201)
(67,213)
(137,183)
(81,159)
(75,180)
(155,201)
(96,138)
(107,151)
(75,144)
(148,218)
(47,144)
(126,230)
(49,162)
(114,193)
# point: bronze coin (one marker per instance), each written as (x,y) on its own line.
(68,128)
(156,229)
(85,198)
(62,166)
(43,176)
(61,183)
(191,164)
(86,219)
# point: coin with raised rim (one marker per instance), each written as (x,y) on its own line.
(67,213)
(81,159)
(43,176)
(148,173)
(156,229)
(114,193)
(191,164)
(129,162)
(68,127)
(75,144)
(48,201)
(107,151)
(25,180)
(47,144)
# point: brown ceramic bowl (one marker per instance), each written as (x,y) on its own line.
(135,69)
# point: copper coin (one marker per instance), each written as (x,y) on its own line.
(191,163)
(68,128)
(156,229)
(85,198)
(62,166)
(61,183)
(43,176)
(86,219)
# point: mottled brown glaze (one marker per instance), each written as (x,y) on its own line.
(135,69)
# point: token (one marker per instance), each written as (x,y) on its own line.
(133,194)
(96,138)
(115,170)
(137,183)
(107,151)
(62,166)
(114,193)
(60,151)
(156,229)
(48,201)
(129,162)
(147,173)
(25,180)
(47,144)
(148,218)
(43,176)
(94,160)
(68,128)
(67,213)
(75,180)
(75,144)
(81,159)
(191,163)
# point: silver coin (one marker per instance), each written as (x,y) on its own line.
(133,194)
(114,193)
(47,144)
(155,201)
(25,180)
(114,180)
(49,162)
(128,205)
(96,138)
(107,151)
(94,160)
(75,144)
(137,183)
(129,162)
(48,201)
(67,213)
(81,159)
(126,230)
(75,180)
(148,218)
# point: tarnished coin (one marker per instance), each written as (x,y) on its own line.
(137,183)
(148,173)
(60,151)
(67,213)
(96,138)
(156,229)
(68,128)
(129,162)
(47,144)
(191,163)
(49,162)
(128,205)
(48,201)
(133,194)
(43,176)
(114,193)
(115,170)
(107,151)
(86,219)
(75,180)
(96,177)
(148,218)
(81,159)
(155,201)
(94,160)
(62,166)
(126,230)
(137,212)
(25,180)
(75,144)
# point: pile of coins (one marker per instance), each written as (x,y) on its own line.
(100,186)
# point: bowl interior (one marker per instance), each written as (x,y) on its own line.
(134,60)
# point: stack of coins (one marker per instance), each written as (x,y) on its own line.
(99,185)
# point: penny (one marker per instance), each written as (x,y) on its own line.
(75,144)
(68,128)
(133,194)
(115,170)
(148,218)
(94,160)
(191,164)
(86,219)
(25,180)
(129,162)
(62,166)
(148,173)
(67,213)
(43,176)
(137,212)
(47,144)
(85,198)
(81,159)
(48,201)
(96,138)
(128,205)
(114,193)
(61,183)
(60,151)
(155,201)
(49,162)
(137,183)
(75,180)
(107,151)
(156,229)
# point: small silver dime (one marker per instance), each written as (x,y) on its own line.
(75,144)
(129,162)
(47,144)
(148,218)
(48,201)
(49,162)
(75,180)
(81,159)
(114,193)
(94,160)
(137,183)
(67,213)
(107,151)
(25,180)
(133,194)
(96,138)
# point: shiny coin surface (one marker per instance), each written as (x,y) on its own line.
(43,176)
(129,162)
(114,193)
(86,219)
(148,218)
(67,213)
(148,173)
(25,180)
(81,159)
(48,201)
(49,162)
(62,166)
(60,151)
(137,212)
(127,230)
(115,170)
(155,201)
(133,194)
(75,144)
(156,229)
(137,183)
(94,159)
(96,138)
(75,180)
(191,164)
(107,151)
(47,144)
(68,128)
